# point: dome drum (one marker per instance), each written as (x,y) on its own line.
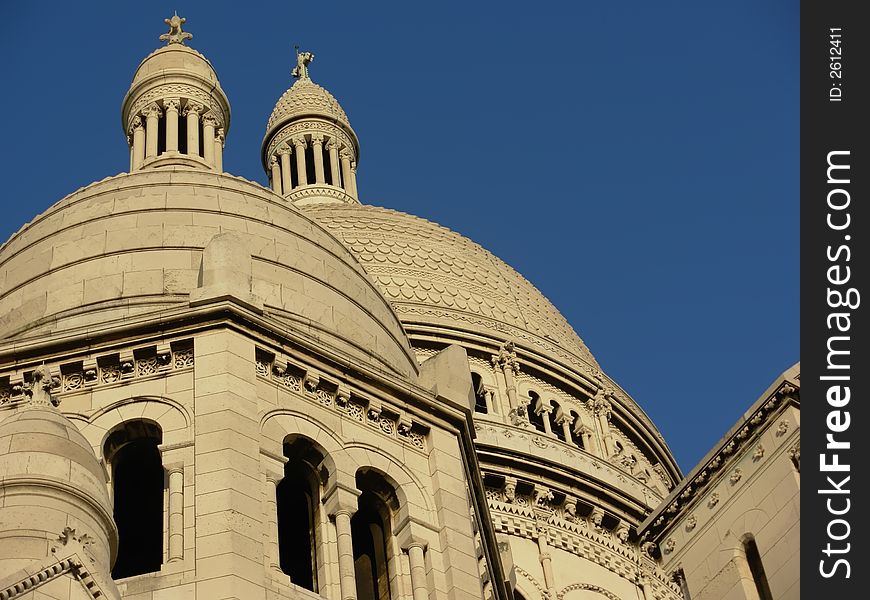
(175,112)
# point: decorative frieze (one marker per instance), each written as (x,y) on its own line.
(318,388)
(103,370)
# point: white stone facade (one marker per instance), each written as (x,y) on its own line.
(251,358)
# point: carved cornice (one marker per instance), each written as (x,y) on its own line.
(178,92)
(301,194)
(707,476)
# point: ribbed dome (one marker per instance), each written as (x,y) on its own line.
(434,276)
(305,98)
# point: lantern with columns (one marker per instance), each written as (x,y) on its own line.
(175,112)
(310,151)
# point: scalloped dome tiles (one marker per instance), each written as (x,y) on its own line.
(434,275)
(305,98)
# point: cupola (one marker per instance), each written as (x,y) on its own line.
(310,151)
(175,112)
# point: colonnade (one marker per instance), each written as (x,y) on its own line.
(204,134)
(286,176)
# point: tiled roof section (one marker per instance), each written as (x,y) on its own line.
(430,273)
(306,98)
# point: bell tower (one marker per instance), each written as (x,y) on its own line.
(175,112)
(310,151)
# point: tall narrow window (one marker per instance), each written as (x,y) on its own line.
(535,417)
(757,569)
(680,579)
(138,482)
(479,394)
(370,527)
(297,496)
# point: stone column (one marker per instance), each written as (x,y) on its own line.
(341,504)
(275,170)
(171,105)
(345,170)
(176,512)
(272,551)
(208,126)
(192,112)
(138,143)
(353,189)
(546,409)
(286,174)
(317,150)
(602,408)
(418,571)
(565,423)
(332,147)
(546,561)
(301,173)
(152,119)
(585,434)
(219,150)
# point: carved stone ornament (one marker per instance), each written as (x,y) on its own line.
(782,428)
(714,500)
(670,545)
(175,35)
(193,108)
(39,390)
(736,476)
(759,452)
(303,59)
(691,523)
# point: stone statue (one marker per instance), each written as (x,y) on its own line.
(303,59)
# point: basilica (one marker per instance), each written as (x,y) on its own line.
(213,390)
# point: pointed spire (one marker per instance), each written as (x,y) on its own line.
(303,59)
(175,35)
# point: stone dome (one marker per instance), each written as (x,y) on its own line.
(130,248)
(175,58)
(51,480)
(434,276)
(305,99)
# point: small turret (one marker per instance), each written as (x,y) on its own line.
(310,151)
(175,112)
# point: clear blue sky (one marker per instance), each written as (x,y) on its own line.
(636,160)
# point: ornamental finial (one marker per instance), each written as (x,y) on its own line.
(303,59)
(175,35)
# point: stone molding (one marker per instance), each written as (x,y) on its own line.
(175,91)
(332,134)
(719,466)
(83,373)
(306,383)
(299,195)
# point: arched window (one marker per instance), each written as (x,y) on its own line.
(298,500)
(576,424)
(138,481)
(756,568)
(556,426)
(370,529)
(535,416)
(479,394)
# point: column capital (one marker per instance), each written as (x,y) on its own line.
(137,123)
(171,104)
(316,138)
(344,153)
(299,140)
(341,499)
(192,107)
(273,161)
(152,110)
(285,149)
(209,119)
(220,136)
(332,144)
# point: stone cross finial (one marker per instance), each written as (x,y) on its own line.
(175,35)
(303,59)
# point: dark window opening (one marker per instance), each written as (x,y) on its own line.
(479,394)
(138,482)
(680,580)
(309,164)
(535,416)
(161,135)
(294,172)
(297,501)
(370,527)
(327,166)
(754,559)
(182,135)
